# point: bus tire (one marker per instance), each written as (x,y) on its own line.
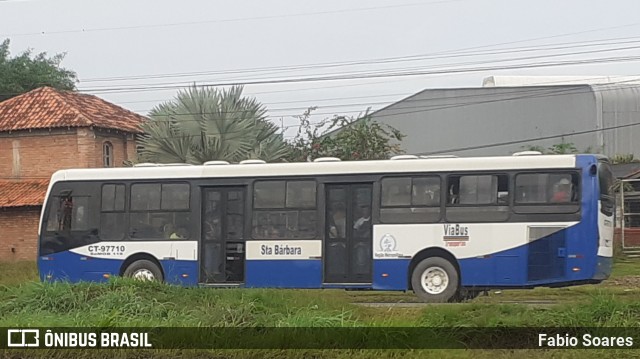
(435,280)
(144,270)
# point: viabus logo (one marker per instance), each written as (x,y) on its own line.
(21,338)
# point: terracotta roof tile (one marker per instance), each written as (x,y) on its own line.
(19,193)
(47,107)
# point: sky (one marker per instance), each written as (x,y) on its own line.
(341,56)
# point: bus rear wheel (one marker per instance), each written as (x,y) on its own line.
(435,280)
(144,270)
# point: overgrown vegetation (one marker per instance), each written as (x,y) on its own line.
(624,158)
(344,137)
(129,304)
(26,302)
(560,149)
(124,302)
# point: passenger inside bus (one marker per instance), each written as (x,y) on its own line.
(362,225)
(426,194)
(180,233)
(562,191)
(168,230)
(453,197)
(364,216)
(337,221)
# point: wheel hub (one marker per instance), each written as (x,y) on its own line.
(143,274)
(434,280)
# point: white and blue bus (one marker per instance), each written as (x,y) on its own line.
(444,227)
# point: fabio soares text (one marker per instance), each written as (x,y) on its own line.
(586,340)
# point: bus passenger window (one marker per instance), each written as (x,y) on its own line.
(413,199)
(157,210)
(546,188)
(284,209)
(479,190)
(396,191)
(426,191)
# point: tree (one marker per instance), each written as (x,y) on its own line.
(559,149)
(204,124)
(562,148)
(624,158)
(26,72)
(347,138)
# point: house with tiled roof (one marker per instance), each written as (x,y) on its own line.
(46,130)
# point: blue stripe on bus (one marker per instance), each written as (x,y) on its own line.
(304,273)
(73,267)
(391,274)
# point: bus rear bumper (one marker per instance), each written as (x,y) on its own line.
(603,268)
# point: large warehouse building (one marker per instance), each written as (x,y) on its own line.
(509,114)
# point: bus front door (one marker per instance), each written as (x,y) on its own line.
(222,250)
(348,234)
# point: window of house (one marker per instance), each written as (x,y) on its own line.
(160,211)
(107,154)
(284,210)
(410,199)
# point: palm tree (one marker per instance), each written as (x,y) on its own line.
(204,124)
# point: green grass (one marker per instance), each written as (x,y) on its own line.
(329,354)
(125,302)
(12,273)
(624,266)
(26,302)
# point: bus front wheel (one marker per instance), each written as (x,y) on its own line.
(144,270)
(435,280)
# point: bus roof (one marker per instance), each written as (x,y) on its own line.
(318,168)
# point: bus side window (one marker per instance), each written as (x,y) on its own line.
(71,221)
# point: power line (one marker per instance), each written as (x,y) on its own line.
(296,101)
(421,57)
(530,139)
(268,17)
(386,72)
(399,72)
(372,76)
(518,91)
